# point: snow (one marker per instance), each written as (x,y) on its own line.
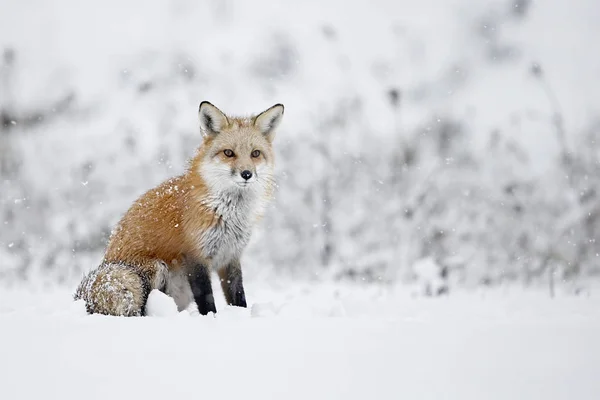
(114,88)
(160,305)
(296,343)
(429,275)
(135,73)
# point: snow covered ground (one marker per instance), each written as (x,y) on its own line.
(114,88)
(300,341)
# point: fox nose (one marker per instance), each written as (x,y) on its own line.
(246,174)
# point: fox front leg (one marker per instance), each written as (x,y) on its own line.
(232,284)
(199,278)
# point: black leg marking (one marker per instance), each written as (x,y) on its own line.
(232,284)
(199,278)
(163,285)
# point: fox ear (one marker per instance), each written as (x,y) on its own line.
(212,120)
(268,120)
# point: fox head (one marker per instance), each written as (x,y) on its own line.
(237,153)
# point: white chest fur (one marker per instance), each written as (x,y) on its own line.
(225,240)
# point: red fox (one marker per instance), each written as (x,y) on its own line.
(177,233)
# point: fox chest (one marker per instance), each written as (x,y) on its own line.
(226,239)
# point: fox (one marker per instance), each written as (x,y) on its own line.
(176,234)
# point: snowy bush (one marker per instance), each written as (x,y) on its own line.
(446,135)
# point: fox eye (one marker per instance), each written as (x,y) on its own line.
(256,153)
(228,153)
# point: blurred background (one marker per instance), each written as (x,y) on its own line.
(454,143)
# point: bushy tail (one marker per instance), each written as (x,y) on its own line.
(114,289)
